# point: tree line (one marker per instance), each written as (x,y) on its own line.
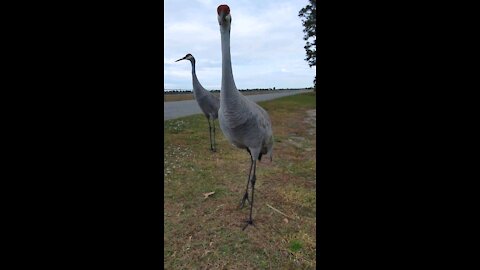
(178,91)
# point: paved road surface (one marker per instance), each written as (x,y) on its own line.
(175,109)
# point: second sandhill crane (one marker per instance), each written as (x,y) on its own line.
(243,122)
(208,102)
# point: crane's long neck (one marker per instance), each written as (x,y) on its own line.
(196,84)
(228,89)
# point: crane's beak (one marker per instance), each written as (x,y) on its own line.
(180,59)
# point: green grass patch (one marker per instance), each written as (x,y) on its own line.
(295,246)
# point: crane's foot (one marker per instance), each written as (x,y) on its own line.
(213,150)
(249,222)
(245,198)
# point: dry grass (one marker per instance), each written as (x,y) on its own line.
(206,233)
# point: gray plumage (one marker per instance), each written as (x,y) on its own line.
(208,103)
(243,122)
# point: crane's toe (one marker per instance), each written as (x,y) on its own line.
(249,222)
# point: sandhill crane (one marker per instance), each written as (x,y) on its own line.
(205,99)
(244,123)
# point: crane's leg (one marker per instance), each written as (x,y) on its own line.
(254,178)
(210,130)
(214,146)
(245,196)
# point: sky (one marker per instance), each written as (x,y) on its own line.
(266,44)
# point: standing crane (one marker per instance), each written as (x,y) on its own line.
(208,103)
(243,122)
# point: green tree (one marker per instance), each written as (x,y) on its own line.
(308,15)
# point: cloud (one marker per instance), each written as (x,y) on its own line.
(266,44)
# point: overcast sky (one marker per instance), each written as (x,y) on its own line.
(266,44)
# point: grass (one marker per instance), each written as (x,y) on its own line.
(206,233)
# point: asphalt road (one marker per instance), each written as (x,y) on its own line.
(175,109)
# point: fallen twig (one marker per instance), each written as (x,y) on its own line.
(279,211)
(208,194)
